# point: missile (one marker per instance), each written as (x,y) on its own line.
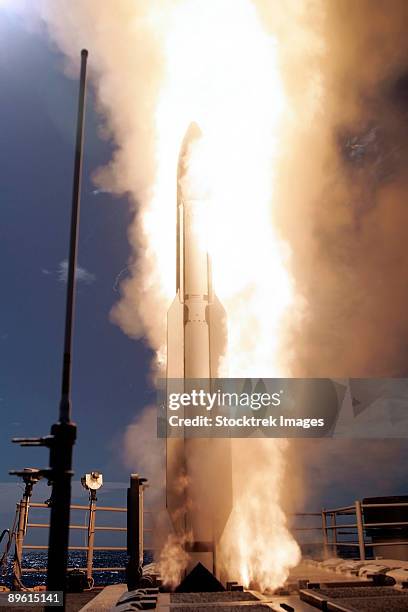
(204,323)
(198,471)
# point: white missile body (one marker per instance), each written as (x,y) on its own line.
(199,488)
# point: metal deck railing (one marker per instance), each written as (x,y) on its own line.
(338,528)
(24,522)
(333,528)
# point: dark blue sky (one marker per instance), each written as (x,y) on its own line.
(37,126)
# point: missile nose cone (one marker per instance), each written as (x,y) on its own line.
(191,137)
(192,134)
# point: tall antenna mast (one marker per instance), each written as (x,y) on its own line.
(63,433)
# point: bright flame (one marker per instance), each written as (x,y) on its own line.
(256,545)
(222,72)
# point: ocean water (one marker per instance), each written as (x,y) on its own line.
(77,559)
(112,559)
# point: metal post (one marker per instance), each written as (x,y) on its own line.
(91,535)
(325,536)
(141,526)
(134,531)
(18,555)
(360,530)
(133,572)
(334,532)
(30,477)
(64,431)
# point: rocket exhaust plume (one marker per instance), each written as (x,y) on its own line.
(157,66)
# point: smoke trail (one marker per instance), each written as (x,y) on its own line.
(128,68)
(142,449)
(348,256)
(346,226)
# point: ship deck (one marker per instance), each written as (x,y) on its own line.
(310,586)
